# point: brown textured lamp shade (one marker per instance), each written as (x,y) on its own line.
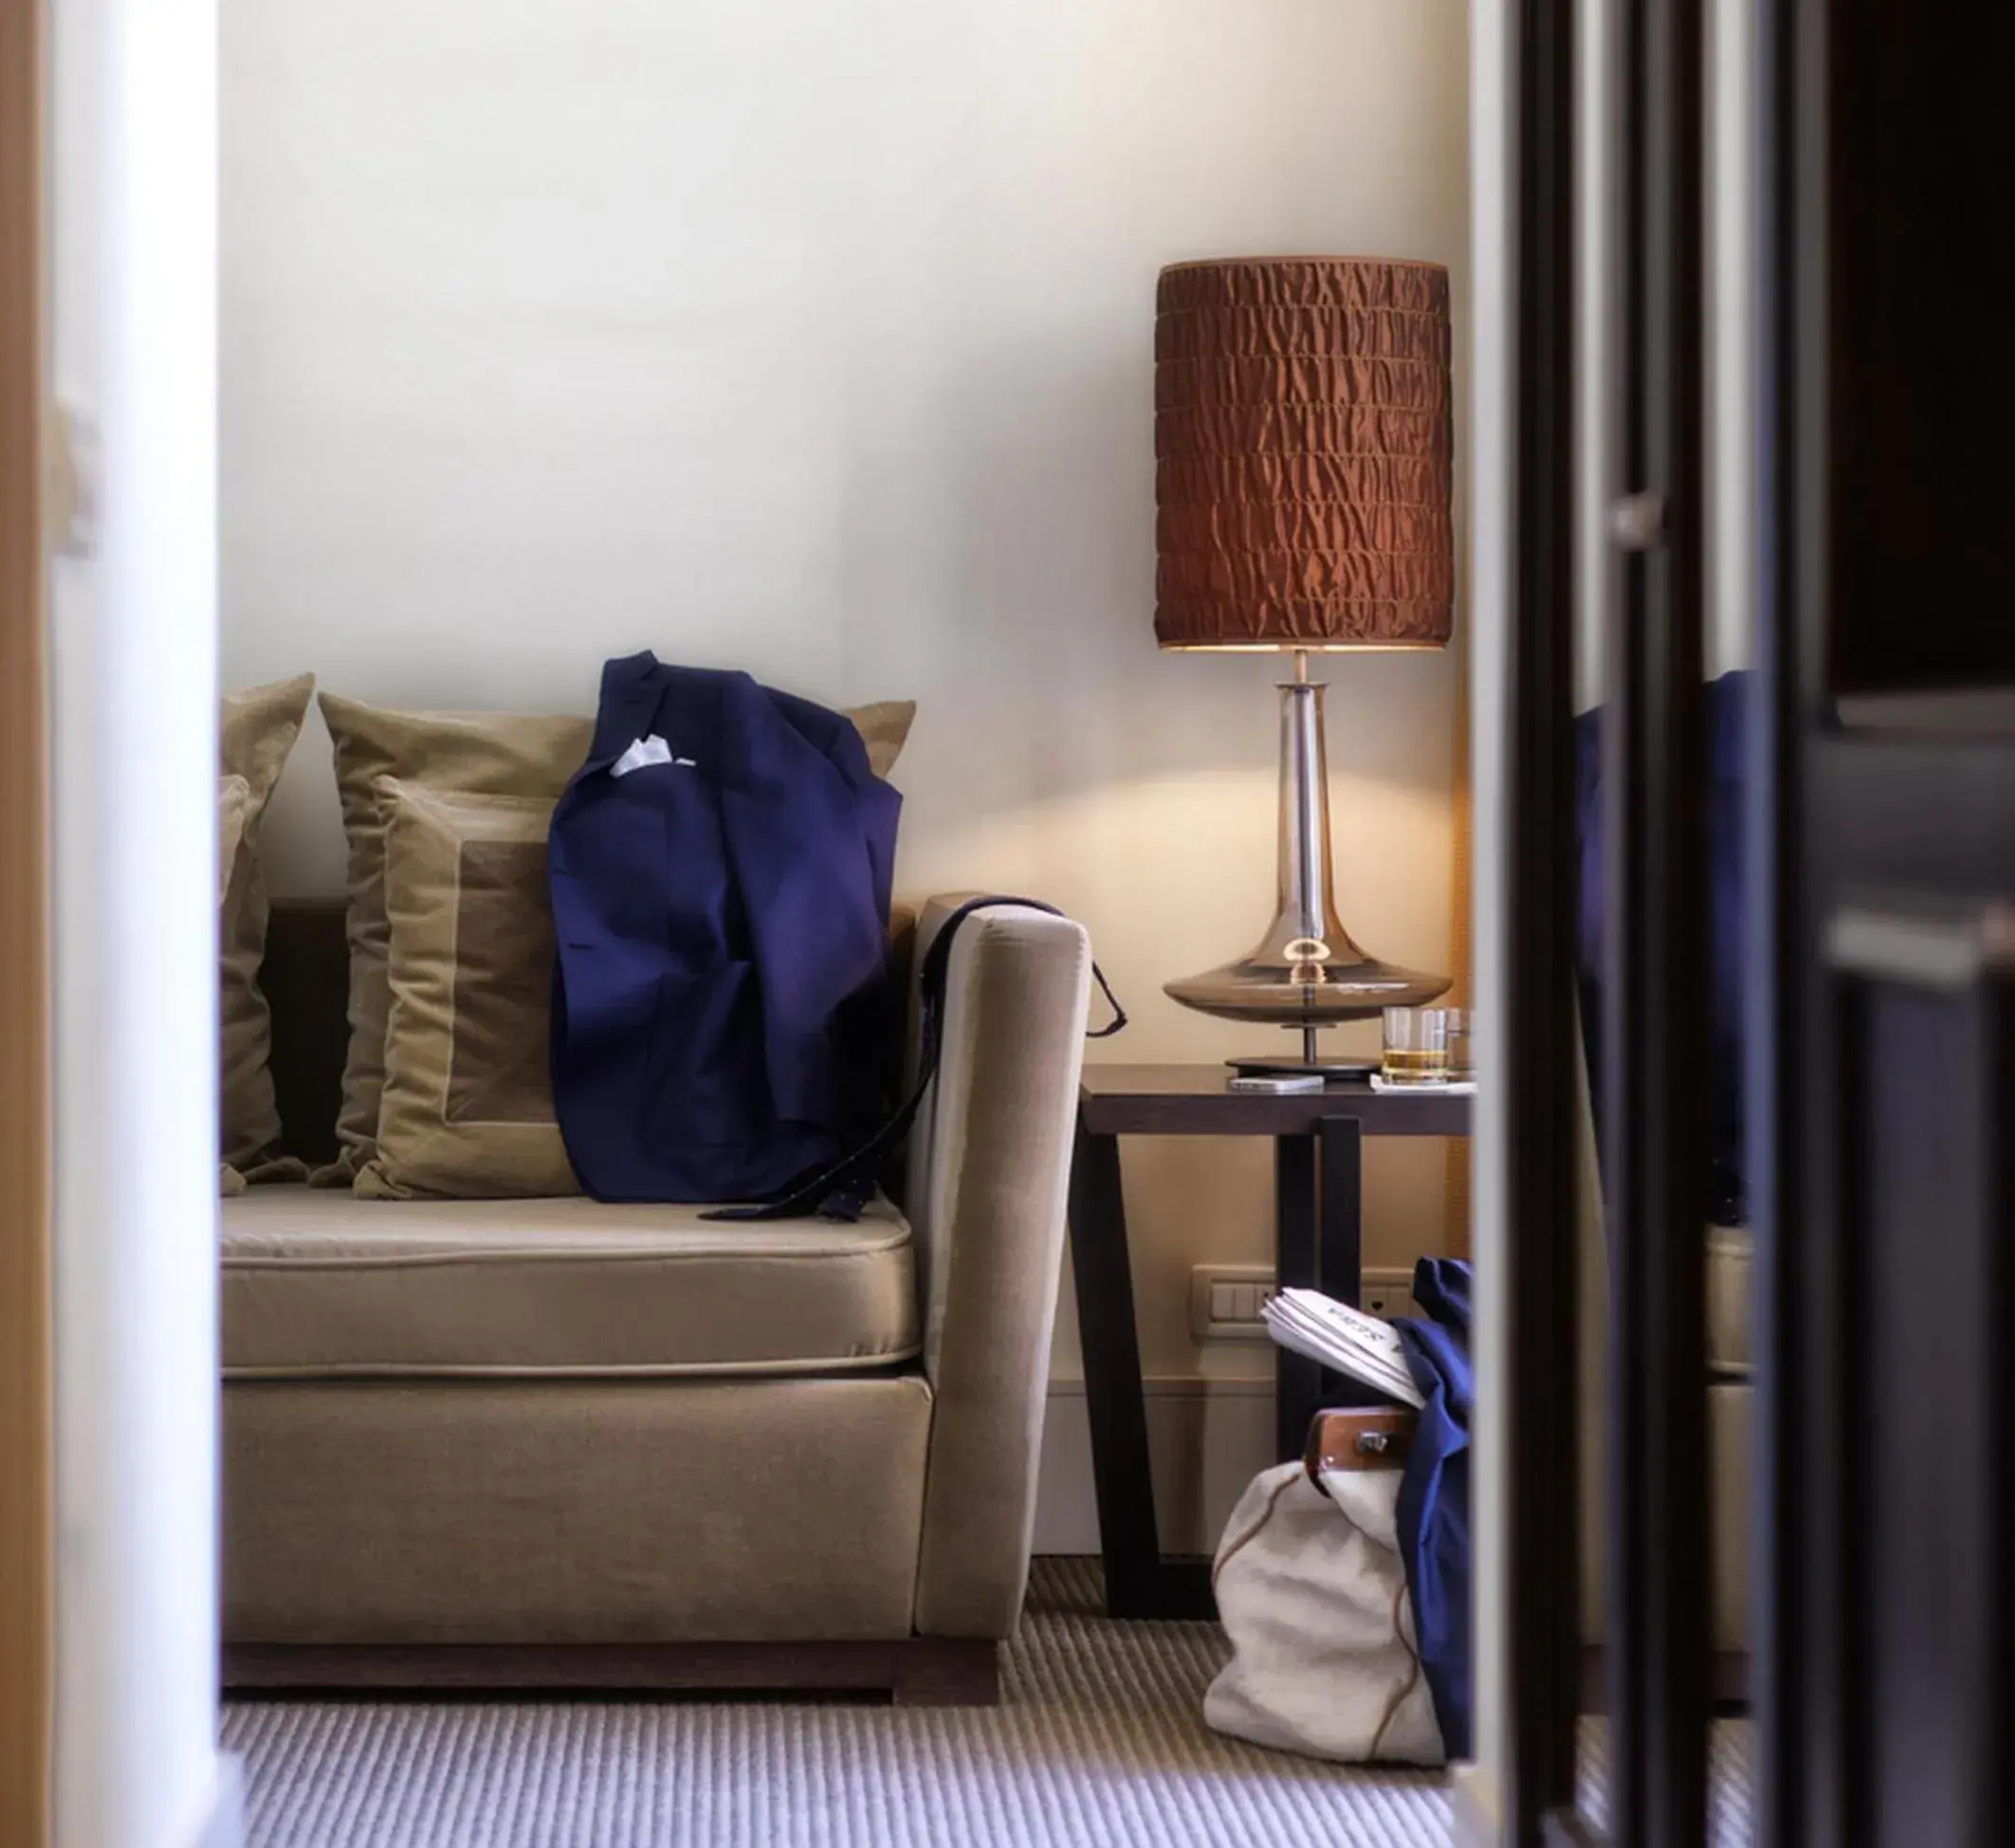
(1303,445)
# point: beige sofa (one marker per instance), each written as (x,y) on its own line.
(556,1443)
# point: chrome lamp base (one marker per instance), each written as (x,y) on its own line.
(1305,973)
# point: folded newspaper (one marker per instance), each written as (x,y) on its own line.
(1368,1349)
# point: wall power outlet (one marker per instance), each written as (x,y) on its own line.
(1225,1299)
(1389,1293)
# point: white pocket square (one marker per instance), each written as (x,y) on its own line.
(643,752)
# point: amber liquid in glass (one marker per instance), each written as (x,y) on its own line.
(1410,1068)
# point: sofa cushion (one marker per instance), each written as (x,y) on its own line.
(318,1283)
(385,1512)
(1731,1343)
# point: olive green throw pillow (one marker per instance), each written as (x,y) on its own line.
(234,797)
(465,1108)
(461,755)
(258,729)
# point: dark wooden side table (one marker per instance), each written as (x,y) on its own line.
(1318,1169)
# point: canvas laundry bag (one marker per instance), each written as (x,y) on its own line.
(1311,1591)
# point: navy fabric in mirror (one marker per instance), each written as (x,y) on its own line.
(1726,717)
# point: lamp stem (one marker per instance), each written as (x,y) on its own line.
(1306,918)
(1306,927)
(1304,972)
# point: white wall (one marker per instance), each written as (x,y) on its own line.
(133,705)
(815,337)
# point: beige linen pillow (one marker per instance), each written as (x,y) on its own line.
(466,1105)
(884,726)
(518,755)
(235,803)
(258,730)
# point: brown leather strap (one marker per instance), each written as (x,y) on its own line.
(1360,1437)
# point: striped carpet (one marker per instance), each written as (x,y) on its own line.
(1098,1739)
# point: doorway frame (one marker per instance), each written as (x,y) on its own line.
(26,1410)
(1542,1568)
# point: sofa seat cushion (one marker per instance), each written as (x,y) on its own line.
(1730,1306)
(320,1283)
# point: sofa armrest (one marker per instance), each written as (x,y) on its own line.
(989,1173)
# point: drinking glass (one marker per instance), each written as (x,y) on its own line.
(1415,1046)
(1459,1023)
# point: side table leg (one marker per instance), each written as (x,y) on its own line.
(1342,1233)
(1343,1237)
(1113,1397)
(1297,1381)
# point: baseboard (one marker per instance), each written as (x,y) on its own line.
(1206,1438)
(913,1671)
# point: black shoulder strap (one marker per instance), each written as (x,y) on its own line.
(846,1186)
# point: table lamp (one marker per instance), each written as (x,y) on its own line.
(1303,468)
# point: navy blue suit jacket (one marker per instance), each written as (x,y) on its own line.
(1433,1493)
(722,1009)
